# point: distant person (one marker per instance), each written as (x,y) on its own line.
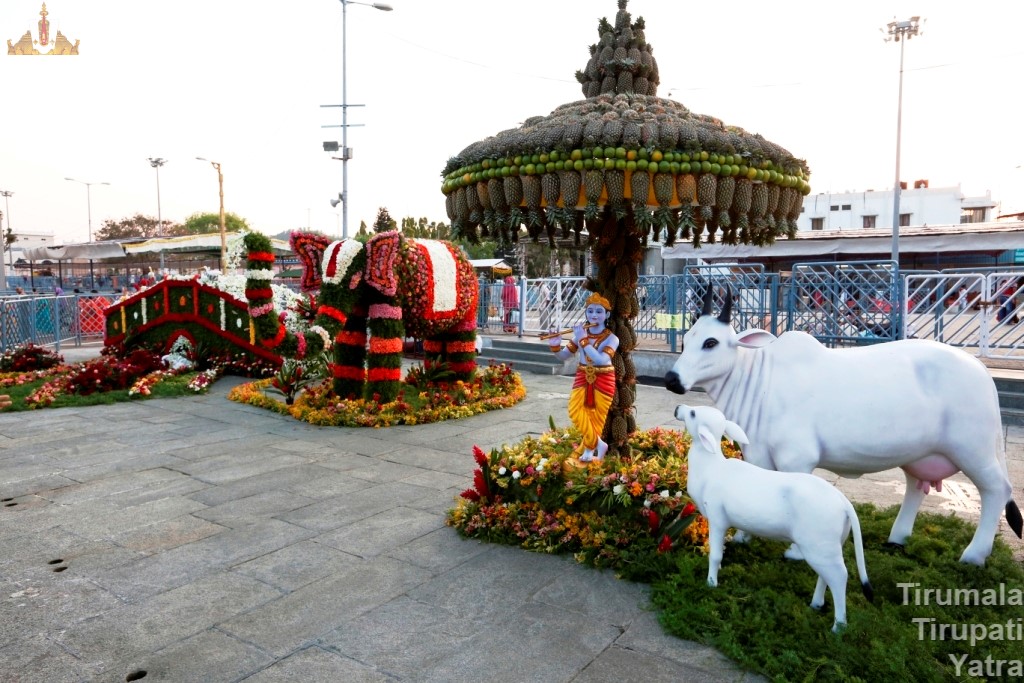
(961,299)
(546,307)
(1005,301)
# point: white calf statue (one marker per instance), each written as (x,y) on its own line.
(788,506)
(920,405)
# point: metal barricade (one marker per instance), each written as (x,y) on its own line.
(844,304)
(552,303)
(17,322)
(51,320)
(753,293)
(1003,337)
(946,307)
(654,319)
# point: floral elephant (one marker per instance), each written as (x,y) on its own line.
(392,288)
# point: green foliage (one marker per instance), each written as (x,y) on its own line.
(759,614)
(137,226)
(293,376)
(384,221)
(422,376)
(484,249)
(206,223)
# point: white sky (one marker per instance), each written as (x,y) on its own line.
(242,83)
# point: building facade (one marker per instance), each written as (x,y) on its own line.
(920,205)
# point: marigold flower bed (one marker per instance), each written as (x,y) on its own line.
(608,513)
(419,402)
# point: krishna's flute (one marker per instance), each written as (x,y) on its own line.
(552,335)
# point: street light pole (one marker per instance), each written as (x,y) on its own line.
(223,231)
(157,163)
(6,194)
(901,32)
(344,107)
(88,199)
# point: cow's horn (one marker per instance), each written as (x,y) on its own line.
(709,295)
(726,313)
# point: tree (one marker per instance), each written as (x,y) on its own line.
(384,221)
(205,223)
(137,226)
(364,232)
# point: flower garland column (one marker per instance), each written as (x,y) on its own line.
(269,331)
(384,359)
(456,348)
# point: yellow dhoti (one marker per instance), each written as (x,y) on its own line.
(589,401)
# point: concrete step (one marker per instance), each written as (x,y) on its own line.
(1008,383)
(1013,416)
(523,356)
(522,366)
(1011,399)
(531,354)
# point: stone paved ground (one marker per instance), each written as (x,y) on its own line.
(197,539)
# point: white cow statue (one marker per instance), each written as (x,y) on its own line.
(786,506)
(920,405)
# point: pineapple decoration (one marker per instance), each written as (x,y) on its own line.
(626,165)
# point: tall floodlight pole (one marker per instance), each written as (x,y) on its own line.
(157,163)
(6,194)
(223,229)
(901,32)
(88,199)
(345,153)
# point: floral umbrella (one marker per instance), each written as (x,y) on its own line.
(620,165)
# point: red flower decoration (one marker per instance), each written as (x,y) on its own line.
(689,509)
(665,545)
(653,521)
(480,483)
(479,456)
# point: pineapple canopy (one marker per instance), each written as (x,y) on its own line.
(625,150)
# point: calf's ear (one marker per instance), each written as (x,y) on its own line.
(736,433)
(709,440)
(754,339)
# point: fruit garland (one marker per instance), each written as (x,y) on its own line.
(627,151)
